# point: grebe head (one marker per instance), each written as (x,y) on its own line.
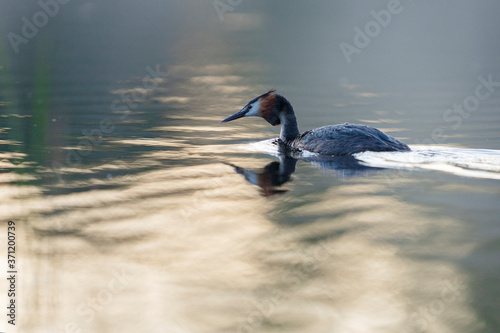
(265,106)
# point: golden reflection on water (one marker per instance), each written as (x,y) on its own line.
(174,240)
(197,249)
(146,245)
(157,230)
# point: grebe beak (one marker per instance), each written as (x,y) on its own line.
(237,115)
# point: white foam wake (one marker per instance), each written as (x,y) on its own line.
(269,147)
(477,163)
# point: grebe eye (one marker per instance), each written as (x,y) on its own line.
(249,107)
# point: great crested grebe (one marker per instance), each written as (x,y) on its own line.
(338,140)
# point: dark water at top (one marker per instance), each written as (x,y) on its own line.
(136,211)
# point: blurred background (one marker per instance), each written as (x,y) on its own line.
(122,182)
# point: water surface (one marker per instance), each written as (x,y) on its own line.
(138,211)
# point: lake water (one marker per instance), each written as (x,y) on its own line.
(137,211)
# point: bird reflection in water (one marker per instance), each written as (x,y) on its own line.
(275,174)
(271,177)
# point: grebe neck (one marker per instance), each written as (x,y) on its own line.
(289,128)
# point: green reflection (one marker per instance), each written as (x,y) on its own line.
(41,103)
(8,103)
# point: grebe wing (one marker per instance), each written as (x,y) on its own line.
(347,139)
